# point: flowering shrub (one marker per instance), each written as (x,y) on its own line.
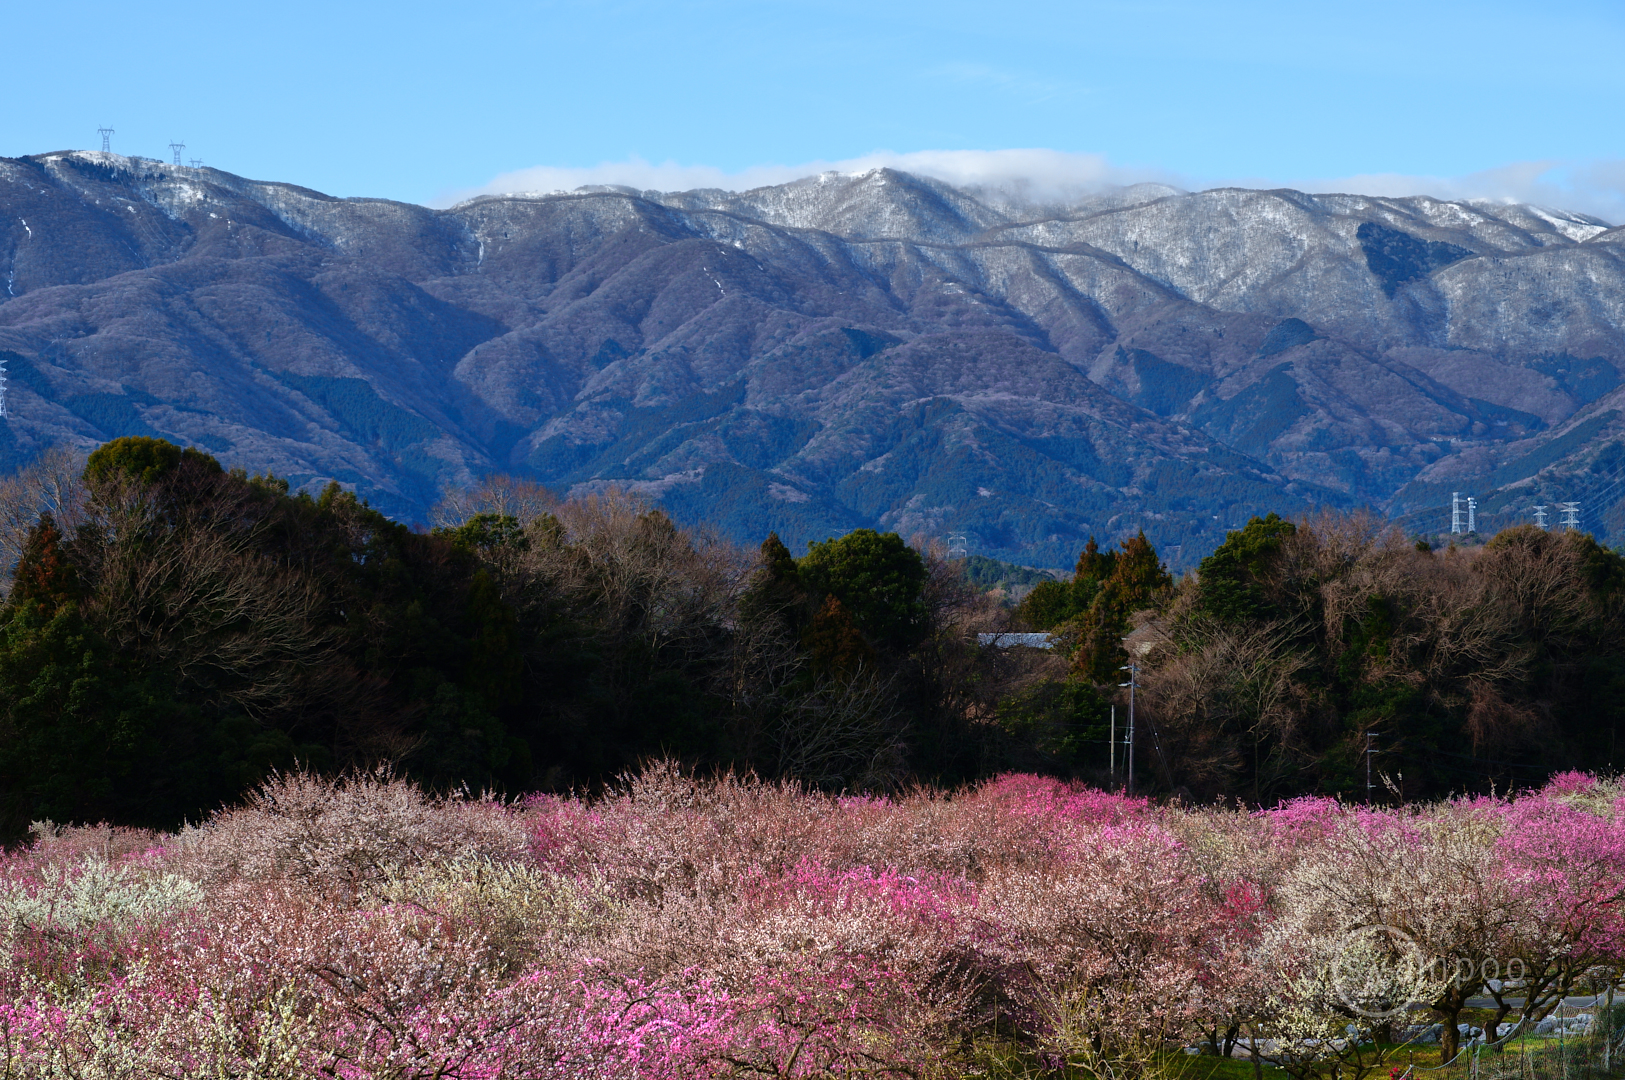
(60,917)
(677,929)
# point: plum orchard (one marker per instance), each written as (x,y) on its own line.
(672,928)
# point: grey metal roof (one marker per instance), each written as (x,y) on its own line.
(1005,641)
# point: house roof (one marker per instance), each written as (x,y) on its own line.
(1007,641)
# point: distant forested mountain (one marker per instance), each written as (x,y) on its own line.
(879,350)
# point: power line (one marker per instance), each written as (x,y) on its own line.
(1463,509)
(1411,517)
(1604,500)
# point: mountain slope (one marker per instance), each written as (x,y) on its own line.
(880,350)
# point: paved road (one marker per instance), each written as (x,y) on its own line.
(1589,1001)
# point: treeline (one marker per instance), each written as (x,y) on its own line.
(175,632)
(1334,653)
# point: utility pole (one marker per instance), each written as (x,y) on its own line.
(1368,752)
(177,147)
(1133,669)
(1540,517)
(1111,747)
(107,134)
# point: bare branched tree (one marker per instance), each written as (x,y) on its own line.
(643,594)
(181,579)
(1226,691)
(636,573)
(503,496)
(51,484)
(200,599)
(845,732)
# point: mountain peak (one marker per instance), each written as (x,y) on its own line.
(878,348)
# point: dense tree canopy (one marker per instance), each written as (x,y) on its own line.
(877,578)
(173,632)
(1298,648)
(176,631)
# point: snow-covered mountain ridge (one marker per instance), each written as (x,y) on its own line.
(880,349)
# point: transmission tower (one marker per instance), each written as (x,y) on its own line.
(1540,516)
(197,163)
(1472,512)
(958,548)
(3,412)
(177,147)
(1455,511)
(1571,515)
(107,134)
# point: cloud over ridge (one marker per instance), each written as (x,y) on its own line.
(1040,175)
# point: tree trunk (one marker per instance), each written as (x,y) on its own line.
(1449,1007)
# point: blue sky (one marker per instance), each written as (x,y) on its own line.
(424,102)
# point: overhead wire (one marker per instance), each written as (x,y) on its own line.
(1600,499)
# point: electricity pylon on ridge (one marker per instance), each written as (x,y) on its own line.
(177,147)
(107,134)
(197,163)
(1463,513)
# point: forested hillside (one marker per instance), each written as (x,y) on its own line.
(174,632)
(878,351)
(1328,653)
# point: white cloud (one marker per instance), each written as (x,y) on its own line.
(1032,174)
(1594,187)
(1037,175)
